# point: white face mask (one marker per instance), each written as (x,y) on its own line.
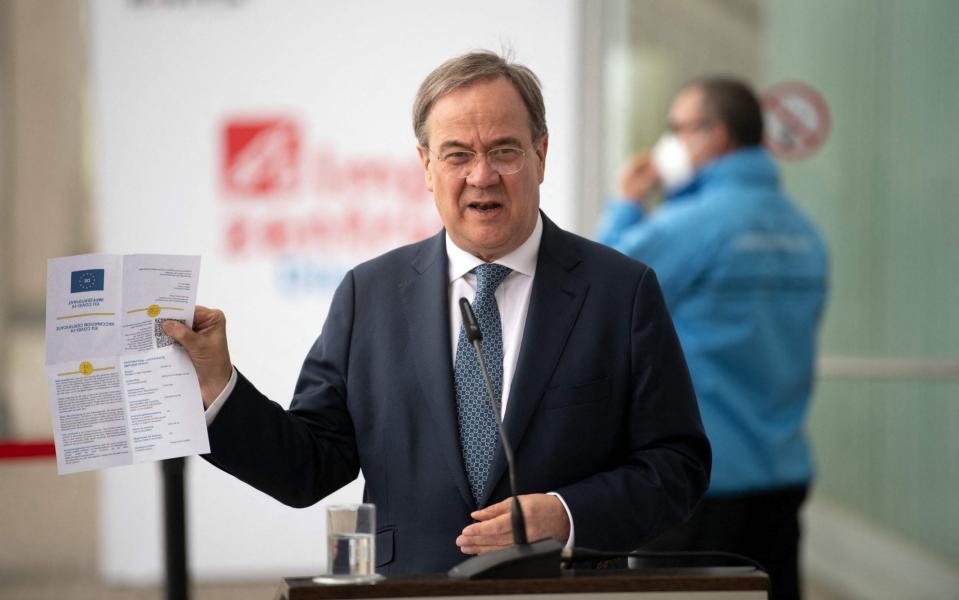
(673,162)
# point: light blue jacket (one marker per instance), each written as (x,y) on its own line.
(745,276)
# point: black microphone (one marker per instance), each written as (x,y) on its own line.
(522,560)
(475,336)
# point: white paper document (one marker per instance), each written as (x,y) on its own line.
(121,391)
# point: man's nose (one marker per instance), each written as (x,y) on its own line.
(482,175)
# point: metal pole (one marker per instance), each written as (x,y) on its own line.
(7,172)
(174,509)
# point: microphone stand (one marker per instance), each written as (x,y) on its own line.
(541,559)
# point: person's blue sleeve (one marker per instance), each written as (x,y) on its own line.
(674,247)
(619,216)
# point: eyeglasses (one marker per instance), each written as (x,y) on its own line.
(505,160)
(694,125)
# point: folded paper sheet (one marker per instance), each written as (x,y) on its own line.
(121,391)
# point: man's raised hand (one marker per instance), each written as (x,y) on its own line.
(207,347)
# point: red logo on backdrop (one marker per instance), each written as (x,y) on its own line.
(261,157)
(328,202)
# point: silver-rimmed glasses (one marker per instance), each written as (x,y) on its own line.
(505,160)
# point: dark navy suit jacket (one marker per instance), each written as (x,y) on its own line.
(601,408)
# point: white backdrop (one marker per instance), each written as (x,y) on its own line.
(274,139)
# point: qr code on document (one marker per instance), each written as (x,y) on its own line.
(163,340)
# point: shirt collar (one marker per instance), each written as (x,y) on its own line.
(521,260)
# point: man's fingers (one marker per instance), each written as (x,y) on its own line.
(205,319)
(487,535)
(502,539)
(638,177)
(497,525)
(492,511)
(639,162)
(478,544)
(178,331)
(205,322)
(483,549)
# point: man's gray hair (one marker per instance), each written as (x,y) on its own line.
(473,67)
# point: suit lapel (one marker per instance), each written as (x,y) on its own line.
(425,299)
(554,305)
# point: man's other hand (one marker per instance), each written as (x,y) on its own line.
(638,178)
(545,518)
(206,345)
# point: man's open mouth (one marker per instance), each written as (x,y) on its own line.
(485,207)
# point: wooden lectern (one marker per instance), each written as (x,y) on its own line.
(699,583)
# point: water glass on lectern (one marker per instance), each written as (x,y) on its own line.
(350,534)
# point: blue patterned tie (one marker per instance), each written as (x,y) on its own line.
(477,423)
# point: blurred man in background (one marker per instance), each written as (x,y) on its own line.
(745,275)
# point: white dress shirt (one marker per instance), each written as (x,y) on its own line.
(512,296)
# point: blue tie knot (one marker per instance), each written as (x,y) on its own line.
(489,276)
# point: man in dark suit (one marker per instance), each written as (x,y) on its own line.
(583,357)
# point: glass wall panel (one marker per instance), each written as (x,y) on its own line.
(884,191)
(885,416)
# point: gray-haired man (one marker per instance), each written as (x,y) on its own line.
(597,400)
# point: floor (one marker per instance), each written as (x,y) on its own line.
(48,544)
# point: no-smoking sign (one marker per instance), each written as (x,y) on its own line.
(796,119)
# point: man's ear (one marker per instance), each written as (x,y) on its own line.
(723,140)
(425,160)
(540,148)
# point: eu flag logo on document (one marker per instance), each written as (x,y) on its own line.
(90,280)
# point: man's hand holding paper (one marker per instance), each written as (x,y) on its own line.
(207,347)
